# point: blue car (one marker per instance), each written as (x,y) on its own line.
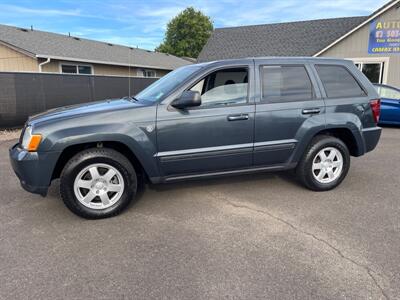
(390,104)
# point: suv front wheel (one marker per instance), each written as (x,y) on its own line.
(98,183)
(325,163)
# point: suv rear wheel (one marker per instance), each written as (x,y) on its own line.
(98,183)
(325,164)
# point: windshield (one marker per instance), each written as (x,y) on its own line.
(166,84)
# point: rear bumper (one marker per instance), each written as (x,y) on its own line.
(371,137)
(33,169)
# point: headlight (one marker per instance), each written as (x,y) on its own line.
(30,141)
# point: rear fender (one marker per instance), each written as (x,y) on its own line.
(314,126)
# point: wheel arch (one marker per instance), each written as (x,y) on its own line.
(346,136)
(122,148)
(352,139)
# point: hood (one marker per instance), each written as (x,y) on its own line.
(79,110)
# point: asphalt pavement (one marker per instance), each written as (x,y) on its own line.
(246,237)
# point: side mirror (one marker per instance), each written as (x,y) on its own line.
(187,99)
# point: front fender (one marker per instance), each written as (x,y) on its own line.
(137,137)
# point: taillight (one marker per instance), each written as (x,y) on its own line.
(376,109)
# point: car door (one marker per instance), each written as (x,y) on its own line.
(287,98)
(216,136)
(390,104)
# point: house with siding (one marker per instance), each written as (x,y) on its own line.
(29,50)
(348,38)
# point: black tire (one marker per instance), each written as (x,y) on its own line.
(304,170)
(95,156)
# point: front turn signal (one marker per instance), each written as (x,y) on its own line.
(34,142)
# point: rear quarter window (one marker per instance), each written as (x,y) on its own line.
(338,82)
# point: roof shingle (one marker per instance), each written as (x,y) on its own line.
(41,43)
(302,38)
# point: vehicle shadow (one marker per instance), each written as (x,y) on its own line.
(244,179)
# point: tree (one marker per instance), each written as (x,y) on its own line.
(186,33)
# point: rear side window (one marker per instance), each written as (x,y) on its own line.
(338,82)
(285,84)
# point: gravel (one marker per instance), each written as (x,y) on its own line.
(9,134)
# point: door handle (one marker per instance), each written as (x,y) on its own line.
(311,111)
(238,117)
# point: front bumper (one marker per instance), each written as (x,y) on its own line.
(34,169)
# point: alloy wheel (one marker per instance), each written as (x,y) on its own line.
(327,165)
(99,186)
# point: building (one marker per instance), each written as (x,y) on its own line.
(28,50)
(372,42)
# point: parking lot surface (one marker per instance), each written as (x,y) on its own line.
(246,237)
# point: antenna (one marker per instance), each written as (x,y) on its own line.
(31,27)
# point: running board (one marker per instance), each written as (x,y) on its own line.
(230,172)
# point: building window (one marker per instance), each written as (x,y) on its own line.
(68,69)
(373,70)
(85,70)
(148,73)
(76,69)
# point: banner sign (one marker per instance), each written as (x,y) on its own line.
(384,37)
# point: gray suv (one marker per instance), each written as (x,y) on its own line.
(218,118)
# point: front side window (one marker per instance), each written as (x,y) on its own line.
(338,82)
(285,84)
(223,87)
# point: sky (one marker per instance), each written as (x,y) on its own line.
(143,23)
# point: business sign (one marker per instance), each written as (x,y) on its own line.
(384,37)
